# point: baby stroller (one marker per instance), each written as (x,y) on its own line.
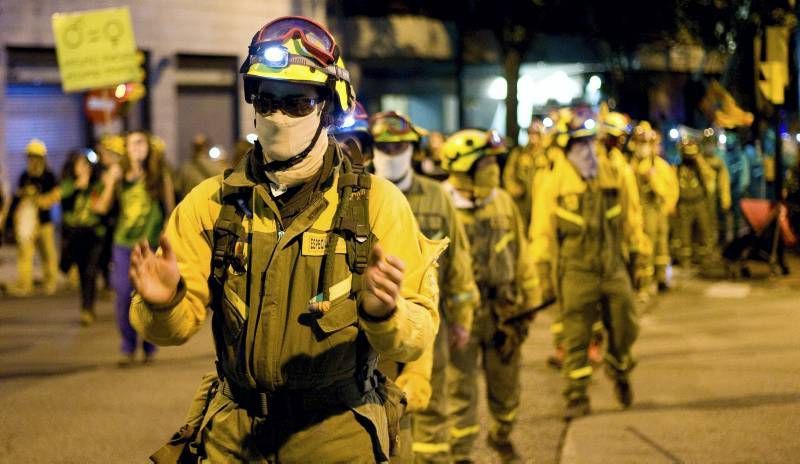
(770,233)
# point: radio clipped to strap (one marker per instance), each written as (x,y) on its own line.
(228,230)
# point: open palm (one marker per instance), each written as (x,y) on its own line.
(155,277)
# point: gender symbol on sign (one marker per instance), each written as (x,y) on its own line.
(113,31)
(73,34)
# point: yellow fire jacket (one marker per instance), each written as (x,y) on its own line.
(282,279)
(658,183)
(561,208)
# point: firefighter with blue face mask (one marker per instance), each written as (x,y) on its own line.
(312,268)
(584,221)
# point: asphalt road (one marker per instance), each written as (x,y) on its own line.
(718,381)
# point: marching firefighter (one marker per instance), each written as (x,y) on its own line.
(583,218)
(693,177)
(355,127)
(524,169)
(614,129)
(719,186)
(312,267)
(508,286)
(395,138)
(658,192)
(37,193)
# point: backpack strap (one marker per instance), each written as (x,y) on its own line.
(228,230)
(351,221)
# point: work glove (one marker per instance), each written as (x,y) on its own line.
(417,389)
(510,335)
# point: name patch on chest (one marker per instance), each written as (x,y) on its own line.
(315,243)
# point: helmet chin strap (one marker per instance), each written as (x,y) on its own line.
(288,163)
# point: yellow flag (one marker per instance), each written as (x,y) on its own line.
(774,72)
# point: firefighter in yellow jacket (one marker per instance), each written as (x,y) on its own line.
(719,184)
(694,177)
(311,267)
(583,219)
(658,192)
(525,167)
(508,286)
(394,139)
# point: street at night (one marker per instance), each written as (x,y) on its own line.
(400,232)
(716,382)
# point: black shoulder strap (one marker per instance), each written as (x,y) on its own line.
(228,229)
(351,220)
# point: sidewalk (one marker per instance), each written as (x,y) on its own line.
(718,381)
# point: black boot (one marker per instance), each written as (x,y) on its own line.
(577,407)
(623,392)
(503,446)
(622,386)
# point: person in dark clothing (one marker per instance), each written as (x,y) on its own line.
(83,228)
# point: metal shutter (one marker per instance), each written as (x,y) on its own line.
(43,112)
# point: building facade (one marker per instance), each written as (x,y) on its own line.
(192,50)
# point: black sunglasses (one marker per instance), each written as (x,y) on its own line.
(293,106)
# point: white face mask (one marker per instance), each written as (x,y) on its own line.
(282,136)
(305,169)
(392,167)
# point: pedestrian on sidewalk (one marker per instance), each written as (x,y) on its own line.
(82,228)
(143,190)
(37,192)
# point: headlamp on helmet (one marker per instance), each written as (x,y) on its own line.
(353,122)
(581,126)
(276,56)
(298,50)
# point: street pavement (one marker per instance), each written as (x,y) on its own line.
(718,381)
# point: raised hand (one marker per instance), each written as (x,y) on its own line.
(383,279)
(154,277)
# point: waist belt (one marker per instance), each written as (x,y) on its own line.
(288,402)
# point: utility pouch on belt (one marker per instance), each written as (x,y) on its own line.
(394,401)
(506,304)
(178,449)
